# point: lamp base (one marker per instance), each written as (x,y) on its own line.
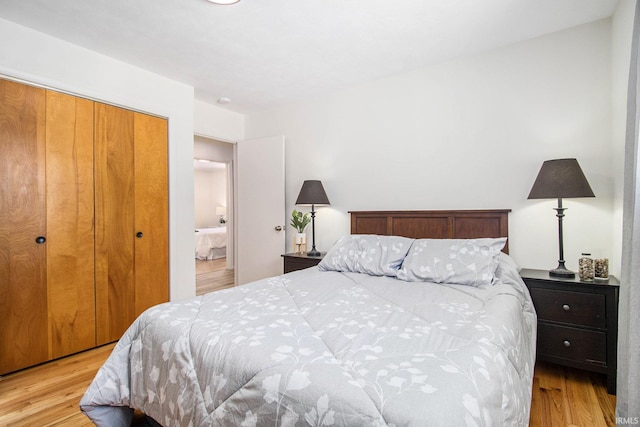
(313,252)
(561,271)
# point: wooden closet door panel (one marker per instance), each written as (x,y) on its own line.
(23,292)
(152,212)
(114,221)
(70,242)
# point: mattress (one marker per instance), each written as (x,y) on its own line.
(211,242)
(316,347)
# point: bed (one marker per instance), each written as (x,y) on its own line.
(211,243)
(389,329)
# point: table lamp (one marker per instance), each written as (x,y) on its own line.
(221,211)
(312,193)
(558,179)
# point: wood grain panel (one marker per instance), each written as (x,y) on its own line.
(440,224)
(151,212)
(480,226)
(577,308)
(23,293)
(472,228)
(370,225)
(422,228)
(114,221)
(584,346)
(70,242)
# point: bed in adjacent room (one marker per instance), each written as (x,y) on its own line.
(211,243)
(416,318)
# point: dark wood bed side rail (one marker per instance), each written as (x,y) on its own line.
(436,224)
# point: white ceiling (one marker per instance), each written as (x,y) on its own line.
(264,53)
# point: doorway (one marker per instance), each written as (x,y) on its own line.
(213,208)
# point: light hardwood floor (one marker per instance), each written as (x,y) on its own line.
(48,395)
(570,397)
(212,275)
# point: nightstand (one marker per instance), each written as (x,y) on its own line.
(577,321)
(293,262)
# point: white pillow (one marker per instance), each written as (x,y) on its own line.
(502,257)
(367,253)
(462,261)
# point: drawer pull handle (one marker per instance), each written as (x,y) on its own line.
(567,343)
(566,307)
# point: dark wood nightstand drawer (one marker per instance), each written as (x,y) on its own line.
(570,307)
(577,321)
(294,262)
(580,345)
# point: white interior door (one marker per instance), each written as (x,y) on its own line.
(260,216)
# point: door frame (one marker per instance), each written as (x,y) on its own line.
(232,213)
(231,201)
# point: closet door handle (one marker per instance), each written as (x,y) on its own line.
(40,240)
(139,234)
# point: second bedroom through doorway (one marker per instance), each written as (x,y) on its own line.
(213,199)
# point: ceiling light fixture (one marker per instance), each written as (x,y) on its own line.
(223,100)
(224,1)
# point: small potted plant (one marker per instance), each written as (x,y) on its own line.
(299,221)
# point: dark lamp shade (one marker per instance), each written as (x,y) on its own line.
(559,179)
(312,193)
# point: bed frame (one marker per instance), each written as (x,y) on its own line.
(446,224)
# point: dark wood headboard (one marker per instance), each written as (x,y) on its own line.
(467,224)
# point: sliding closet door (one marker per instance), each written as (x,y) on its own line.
(70,241)
(114,221)
(23,291)
(151,212)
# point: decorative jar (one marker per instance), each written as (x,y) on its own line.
(601,268)
(586,270)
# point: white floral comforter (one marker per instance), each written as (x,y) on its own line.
(208,239)
(327,348)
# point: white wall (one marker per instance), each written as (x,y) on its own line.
(215,122)
(37,58)
(210,191)
(210,185)
(468,134)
